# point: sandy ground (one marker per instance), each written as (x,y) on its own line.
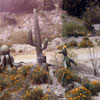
(82,56)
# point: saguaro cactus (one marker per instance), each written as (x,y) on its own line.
(37,42)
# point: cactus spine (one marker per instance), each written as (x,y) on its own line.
(37,43)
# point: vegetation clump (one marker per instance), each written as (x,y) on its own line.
(74,29)
(80,93)
(64,76)
(39,76)
(93,87)
(33,94)
(85,44)
(91,16)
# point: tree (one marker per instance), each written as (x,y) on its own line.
(91,16)
(77,7)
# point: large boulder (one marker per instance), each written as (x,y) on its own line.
(54,44)
(4,50)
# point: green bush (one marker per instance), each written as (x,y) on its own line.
(80,93)
(73,29)
(25,70)
(91,16)
(93,87)
(85,44)
(64,76)
(33,94)
(39,76)
(71,44)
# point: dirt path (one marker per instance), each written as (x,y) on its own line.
(82,55)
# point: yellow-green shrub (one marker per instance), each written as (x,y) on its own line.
(73,28)
(39,75)
(93,87)
(85,43)
(80,93)
(64,76)
(25,70)
(13,79)
(33,94)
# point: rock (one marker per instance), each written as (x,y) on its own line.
(69,87)
(96,27)
(54,44)
(76,84)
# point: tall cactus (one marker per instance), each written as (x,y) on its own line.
(37,43)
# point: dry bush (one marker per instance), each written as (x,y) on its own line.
(19,37)
(12,50)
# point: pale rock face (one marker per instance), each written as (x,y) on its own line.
(54,44)
(47,20)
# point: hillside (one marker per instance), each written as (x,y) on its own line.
(12,24)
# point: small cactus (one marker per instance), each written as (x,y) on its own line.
(66,60)
(6,60)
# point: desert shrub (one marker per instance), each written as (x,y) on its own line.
(12,50)
(3,82)
(6,95)
(71,44)
(98,33)
(85,43)
(80,93)
(98,42)
(39,76)
(93,87)
(50,95)
(91,16)
(25,70)
(33,94)
(11,80)
(64,76)
(19,37)
(73,29)
(20,51)
(46,97)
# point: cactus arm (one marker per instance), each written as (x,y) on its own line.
(30,38)
(2,61)
(45,44)
(72,61)
(12,61)
(8,63)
